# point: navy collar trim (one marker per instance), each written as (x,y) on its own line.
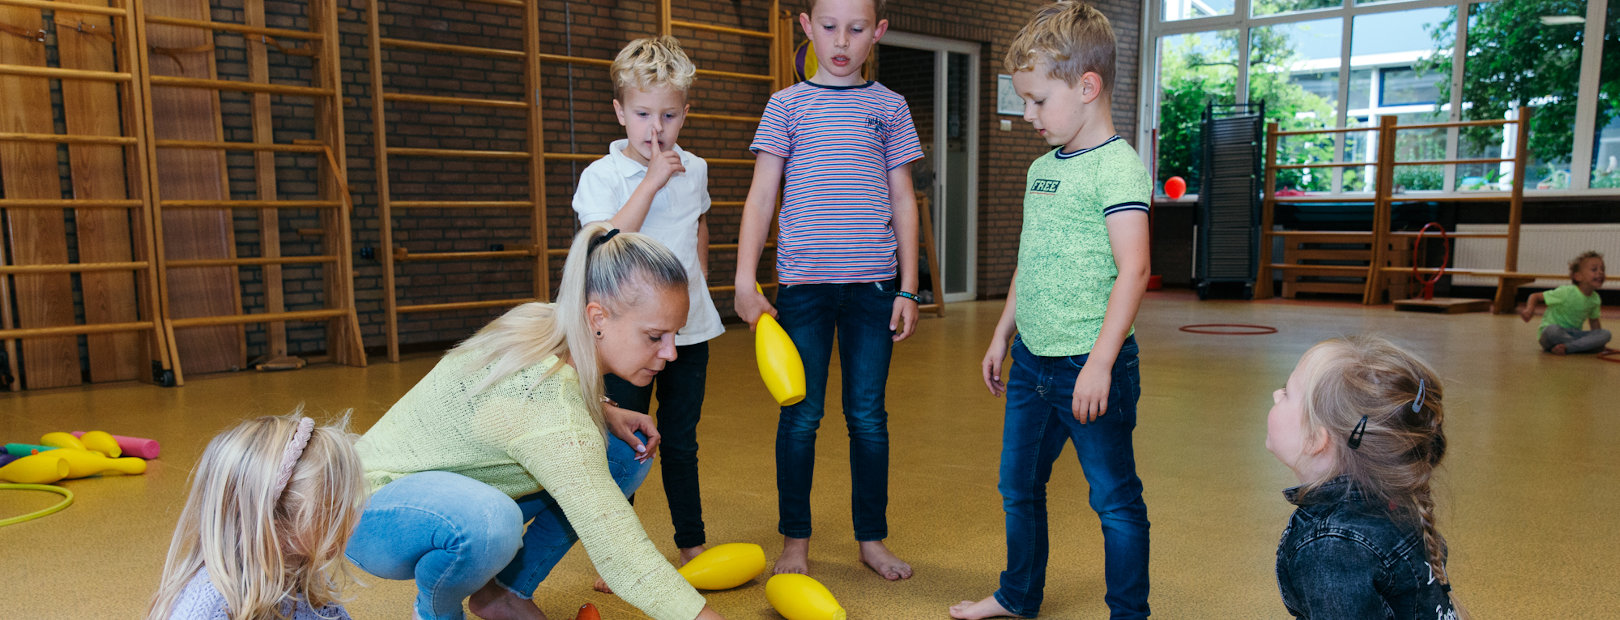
(1062,155)
(1335,490)
(851,87)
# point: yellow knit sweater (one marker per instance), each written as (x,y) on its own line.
(520,436)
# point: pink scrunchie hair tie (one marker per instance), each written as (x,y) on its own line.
(289,457)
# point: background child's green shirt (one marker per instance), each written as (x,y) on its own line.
(1568,308)
(1066,264)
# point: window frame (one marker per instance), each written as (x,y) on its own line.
(1585,130)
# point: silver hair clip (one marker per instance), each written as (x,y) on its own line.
(1417,404)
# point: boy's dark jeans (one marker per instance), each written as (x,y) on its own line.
(680,388)
(858,314)
(1040,420)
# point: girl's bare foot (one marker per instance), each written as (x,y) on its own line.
(877,556)
(987,608)
(1559,349)
(601,586)
(795,557)
(691,552)
(493,602)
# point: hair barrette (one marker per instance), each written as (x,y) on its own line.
(1417,403)
(1359,432)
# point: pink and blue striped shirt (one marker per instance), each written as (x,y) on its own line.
(840,144)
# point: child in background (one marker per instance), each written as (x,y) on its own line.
(1082,271)
(837,146)
(647,184)
(1571,305)
(1360,424)
(272,505)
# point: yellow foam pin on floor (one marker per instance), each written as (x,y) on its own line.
(1526,495)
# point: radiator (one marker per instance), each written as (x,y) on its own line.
(1543,248)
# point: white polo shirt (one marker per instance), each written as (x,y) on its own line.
(672,220)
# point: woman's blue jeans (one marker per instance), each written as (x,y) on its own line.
(858,314)
(452,534)
(1040,420)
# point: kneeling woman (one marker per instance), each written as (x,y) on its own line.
(509,427)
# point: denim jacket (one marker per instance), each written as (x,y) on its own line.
(1344,557)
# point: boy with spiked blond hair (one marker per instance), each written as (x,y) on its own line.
(648,184)
(1082,271)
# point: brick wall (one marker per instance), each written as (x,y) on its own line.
(578,118)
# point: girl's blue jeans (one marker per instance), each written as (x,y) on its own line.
(1039,421)
(452,534)
(858,315)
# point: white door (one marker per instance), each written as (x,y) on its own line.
(953,188)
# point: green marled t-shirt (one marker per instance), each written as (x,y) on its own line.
(1568,308)
(1065,262)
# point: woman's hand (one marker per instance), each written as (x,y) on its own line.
(624,423)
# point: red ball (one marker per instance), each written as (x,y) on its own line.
(1174,187)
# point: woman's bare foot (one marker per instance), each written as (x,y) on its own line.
(493,602)
(987,608)
(795,557)
(691,552)
(877,556)
(1559,349)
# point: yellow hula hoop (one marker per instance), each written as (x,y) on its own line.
(67,499)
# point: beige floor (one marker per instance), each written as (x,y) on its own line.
(1528,499)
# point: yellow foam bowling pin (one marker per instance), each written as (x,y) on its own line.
(61,440)
(798,597)
(103,442)
(42,468)
(82,463)
(725,566)
(779,362)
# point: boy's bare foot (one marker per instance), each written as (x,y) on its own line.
(691,552)
(795,557)
(987,608)
(493,602)
(1559,349)
(877,556)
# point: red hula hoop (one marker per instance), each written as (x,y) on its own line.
(1445,259)
(1229,329)
(1610,355)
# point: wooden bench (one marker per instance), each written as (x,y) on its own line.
(1507,282)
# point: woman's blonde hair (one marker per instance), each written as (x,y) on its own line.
(265,550)
(1393,460)
(614,273)
(1073,36)
(652,62)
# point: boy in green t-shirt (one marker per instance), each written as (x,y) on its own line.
(1571,305)
(1082,271)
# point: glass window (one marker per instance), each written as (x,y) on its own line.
(1406,86)
(1176,10)
(1606,145)
(1273,7)
(1289,66)
(1515,59)
(1195,70)
(1416,145)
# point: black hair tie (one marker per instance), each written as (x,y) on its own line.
(597,242)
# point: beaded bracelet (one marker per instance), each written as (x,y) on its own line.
(911,296)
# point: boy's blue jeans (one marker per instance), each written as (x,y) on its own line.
(452,534)
(1040,420)
(858,314)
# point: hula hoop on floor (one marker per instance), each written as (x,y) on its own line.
(1610,355)
(1229,329)
(67,498)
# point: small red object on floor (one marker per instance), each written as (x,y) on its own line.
(588,612)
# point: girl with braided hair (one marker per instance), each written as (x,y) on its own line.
(1360,424)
